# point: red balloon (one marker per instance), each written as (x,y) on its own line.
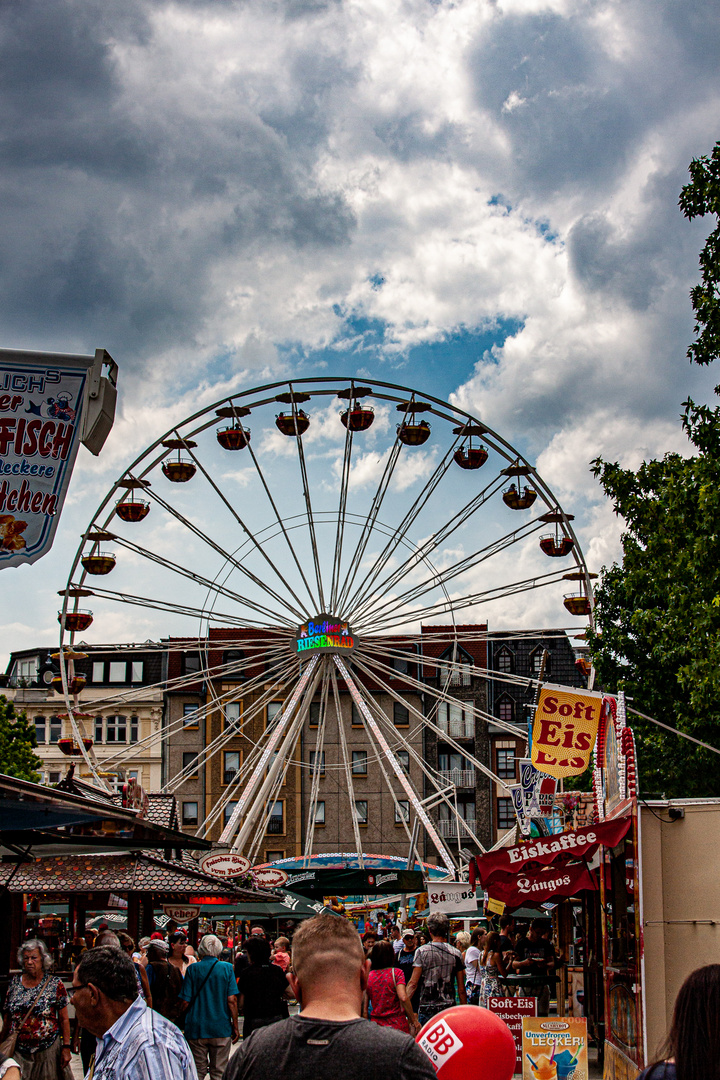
(468,1041)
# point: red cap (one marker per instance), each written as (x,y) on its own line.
(157,936)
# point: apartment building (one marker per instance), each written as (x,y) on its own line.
(122,697)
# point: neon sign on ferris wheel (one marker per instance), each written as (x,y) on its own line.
(325,634)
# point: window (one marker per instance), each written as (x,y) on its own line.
(133,729)
(53,777)
(228,810)
(506,709)
(190,761)
(401,716)
(505,814)
(400,664)
(98,671)
(116,729)
(504,659)
(455,672)
(27,669)
(98,729)
(40,730)
(191,663)
(356,719)
(506,764)
(136,671)
(361,811)
(273,856)
(118,671)
(231,765)
(359,762)
(455,721)
(536,661)
(233,714)
(402,811)
(276,820)
(133,774)
(322,761)
(320,813)
(403,757)
(273,713)
(189,813)
(55,729)
(232,662)
(314,713)
(190,715)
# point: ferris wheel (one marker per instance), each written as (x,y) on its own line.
(328,521)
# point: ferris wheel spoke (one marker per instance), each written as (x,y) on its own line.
(200,579)
(342,509)
(347,767)
(445,607)
(396,766)
(421,553)
(173,608)
(413,513)
(283,529)
(248,532)
(441,578)
(309,510)
(230,559)
(370,520)
(317,763)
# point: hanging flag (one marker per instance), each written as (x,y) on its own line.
(531,887)
(549,849)
(564,730)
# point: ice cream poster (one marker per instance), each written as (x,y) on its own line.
(555,1048)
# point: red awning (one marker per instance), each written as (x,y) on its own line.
(549,849)
(538,885)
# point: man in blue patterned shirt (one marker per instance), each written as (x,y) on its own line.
(133,1042)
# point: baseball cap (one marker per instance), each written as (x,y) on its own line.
(157,936)
(408,933)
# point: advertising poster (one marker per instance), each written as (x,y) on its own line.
(555,1048)
(513,1010)
(41,404)
(564,730)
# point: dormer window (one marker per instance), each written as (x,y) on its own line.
(504,660)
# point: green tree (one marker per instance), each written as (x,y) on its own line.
(658,612)
(17,744)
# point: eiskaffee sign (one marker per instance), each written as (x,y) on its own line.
(550,849)
(49,404)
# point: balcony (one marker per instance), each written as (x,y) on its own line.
(449,829)
(458,728)
(462,778)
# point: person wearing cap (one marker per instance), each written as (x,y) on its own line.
(405,960)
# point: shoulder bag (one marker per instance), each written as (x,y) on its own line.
(7,1046)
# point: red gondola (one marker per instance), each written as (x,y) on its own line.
(414,434)
(557,546)
(293,424)
(76,621)
(131,510)
(359,418)
(233,438)
(472,457)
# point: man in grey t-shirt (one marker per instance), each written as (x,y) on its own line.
(439,965)
(328,1038)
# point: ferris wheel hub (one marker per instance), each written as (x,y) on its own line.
(325,634)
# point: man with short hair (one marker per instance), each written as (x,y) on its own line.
(396,939)
(507,925)
(536,956)
(210,995)
(329,1039)
(439,965)
(133,1042)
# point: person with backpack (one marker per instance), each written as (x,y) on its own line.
(210,995)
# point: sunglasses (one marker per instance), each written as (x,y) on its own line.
(72,990)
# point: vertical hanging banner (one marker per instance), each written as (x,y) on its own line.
(564,730)
(49,403)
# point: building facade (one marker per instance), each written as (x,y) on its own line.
(122,697)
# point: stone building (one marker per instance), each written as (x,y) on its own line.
(122,695)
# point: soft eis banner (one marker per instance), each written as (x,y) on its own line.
(564,730)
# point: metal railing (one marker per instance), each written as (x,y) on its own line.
(459,777)
(448,828)
(458,729)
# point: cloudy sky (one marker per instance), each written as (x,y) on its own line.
(477,199)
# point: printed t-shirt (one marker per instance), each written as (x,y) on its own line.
(303,1047)
(387,1008)
(540,952)
(405,961)
(209,1016)
(42,1027)
(439,962)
